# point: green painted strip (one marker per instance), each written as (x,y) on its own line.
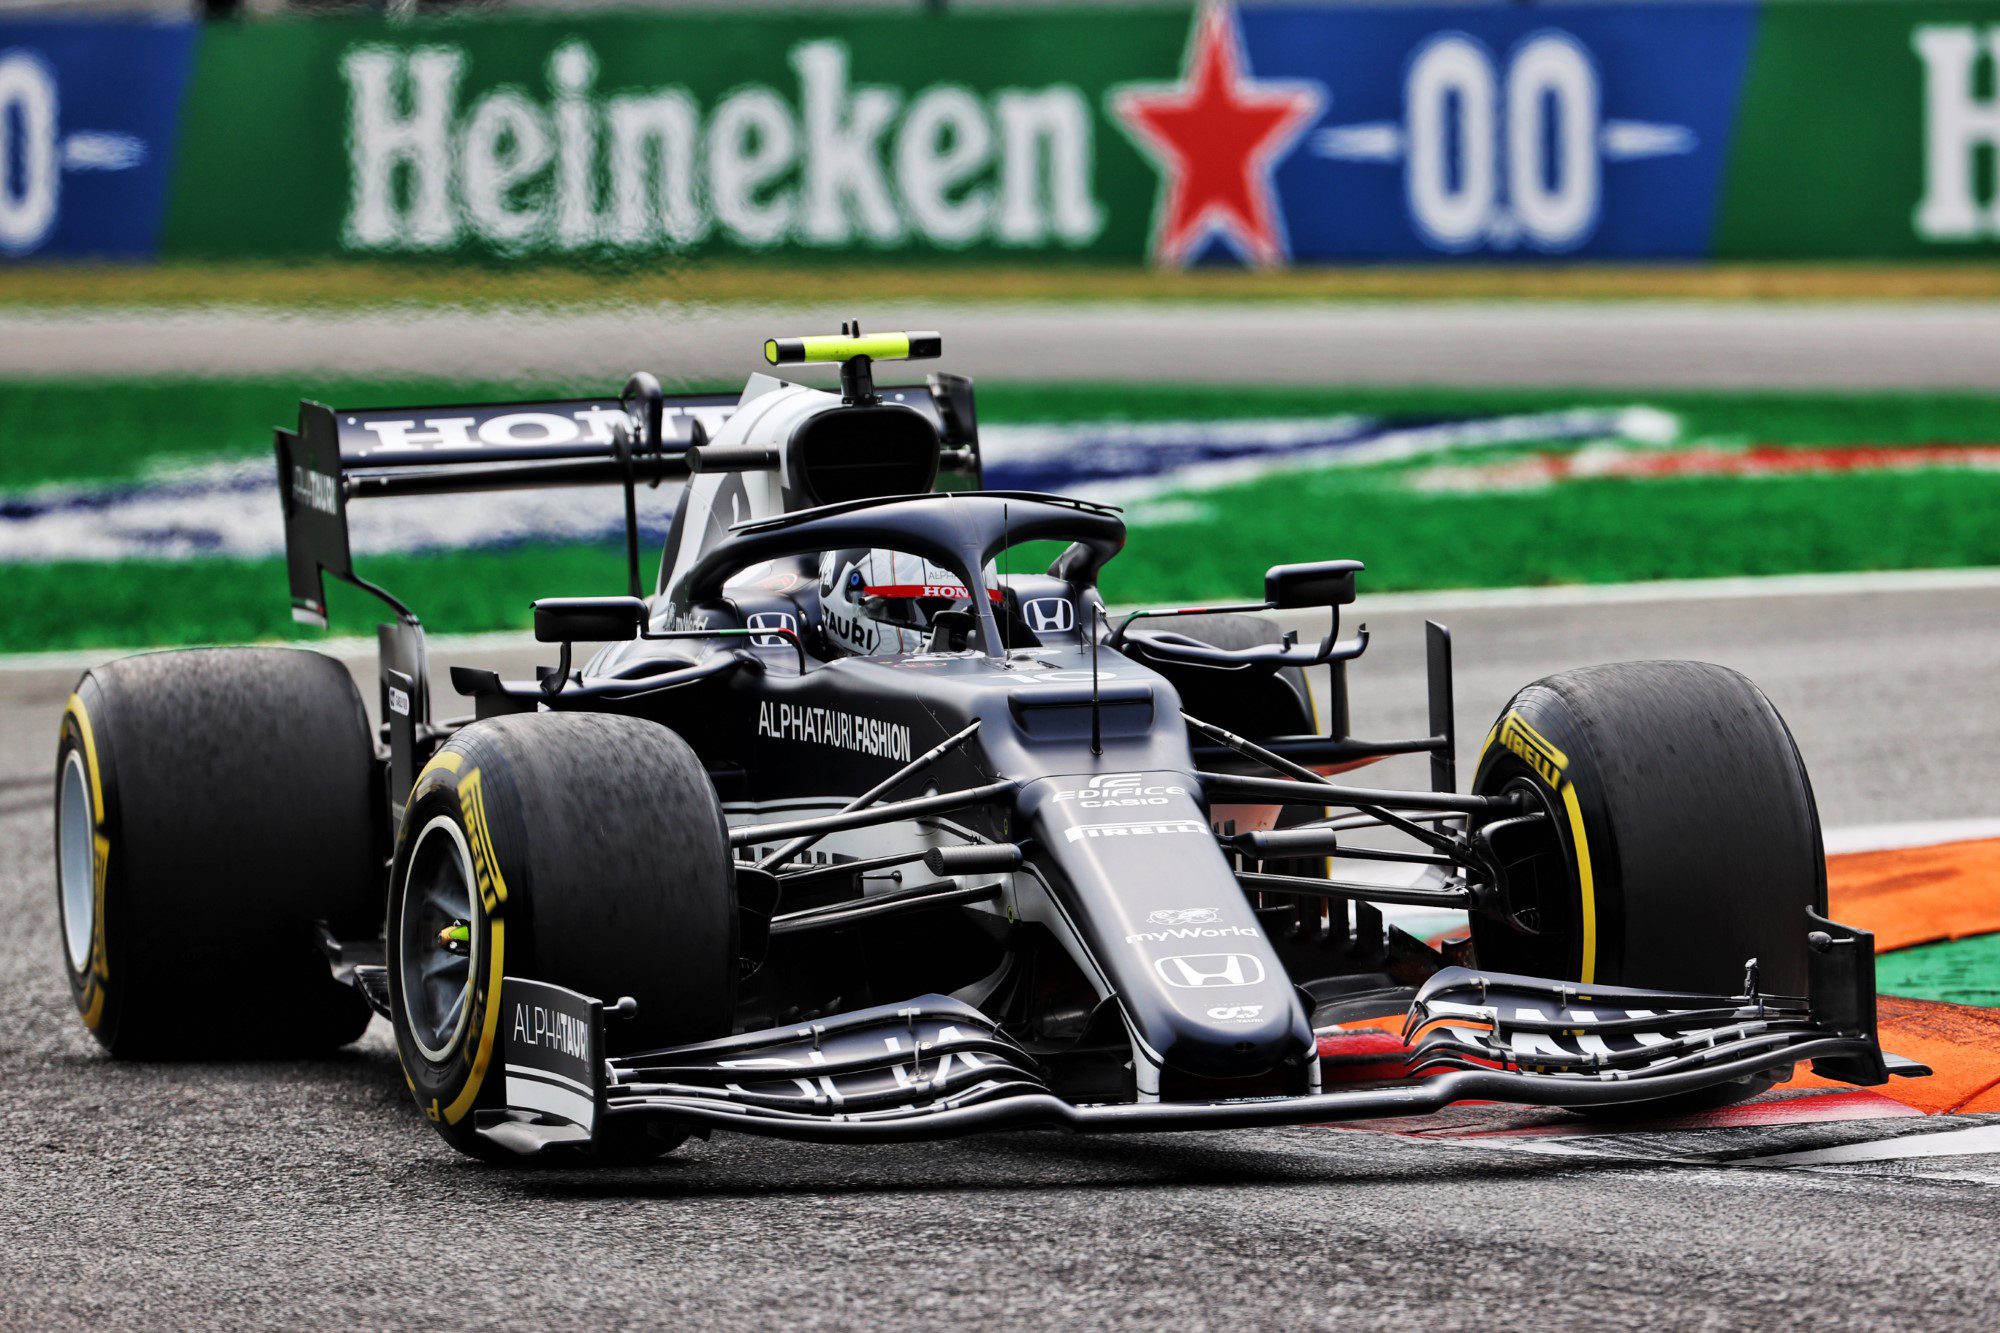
(69,429)
(1195,545)
(114,430)
(1217,545)
(77,605)
(1957,971)
(1580,532)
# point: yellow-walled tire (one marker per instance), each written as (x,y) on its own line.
(1681,838)
(213,806)
(584,850)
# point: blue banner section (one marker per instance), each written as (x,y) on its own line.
(87,118)
(1502,133)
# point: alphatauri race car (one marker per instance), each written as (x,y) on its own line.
(850,831)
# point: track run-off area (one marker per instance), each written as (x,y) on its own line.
(282,1193)
(1563,344)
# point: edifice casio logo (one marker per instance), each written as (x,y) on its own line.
(1113,790)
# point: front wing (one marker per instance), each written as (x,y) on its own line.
(935,1067)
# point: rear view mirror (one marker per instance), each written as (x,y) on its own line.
(1324,583)
(588,619)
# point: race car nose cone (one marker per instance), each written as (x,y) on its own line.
(1163,914)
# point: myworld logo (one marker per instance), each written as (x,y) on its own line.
(821,161)
(1192,933)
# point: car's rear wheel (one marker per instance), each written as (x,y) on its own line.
(1679,836)
(212,806)
(582,850)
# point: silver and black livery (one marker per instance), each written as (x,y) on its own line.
(872,821)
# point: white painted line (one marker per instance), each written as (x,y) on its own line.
(1894,837)
(342,649)
(1951,1143)
(1686,590)
(1467,599)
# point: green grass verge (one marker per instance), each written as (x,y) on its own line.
(1580,532)
(103,430)
(139,603)
(1959,971)
(100,430)
(1588,531)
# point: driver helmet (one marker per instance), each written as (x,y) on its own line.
(877,602)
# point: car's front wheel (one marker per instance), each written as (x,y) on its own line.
(582,850)
(1678,837)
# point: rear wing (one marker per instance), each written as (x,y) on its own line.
(339,456)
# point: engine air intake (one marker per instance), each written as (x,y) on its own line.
(860,452)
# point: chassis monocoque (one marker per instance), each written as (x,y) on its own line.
(1044,865)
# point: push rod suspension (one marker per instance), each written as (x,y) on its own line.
(1318,791)
(811,829)
(1224,787)
(1312,789)
(879,905)
(1300,886)
(849,869)
(872,795)
(1370,801)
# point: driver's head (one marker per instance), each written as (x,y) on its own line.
(876,602)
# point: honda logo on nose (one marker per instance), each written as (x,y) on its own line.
(1051,615)
(1209,971)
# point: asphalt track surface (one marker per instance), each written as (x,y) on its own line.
(1555,344)
(312,1193)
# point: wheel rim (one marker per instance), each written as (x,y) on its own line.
(76,861)
(1540,937)
(435,981)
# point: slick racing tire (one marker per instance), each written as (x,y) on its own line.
(1679,838)
(212,807)
(578,849)
(1249,702)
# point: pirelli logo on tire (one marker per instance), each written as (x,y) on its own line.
(1533,748)
(448,766)
(485,864)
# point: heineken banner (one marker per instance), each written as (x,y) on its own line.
(1266,135)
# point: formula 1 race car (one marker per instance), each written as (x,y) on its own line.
(849,835)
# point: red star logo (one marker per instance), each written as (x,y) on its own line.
(1217,134)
